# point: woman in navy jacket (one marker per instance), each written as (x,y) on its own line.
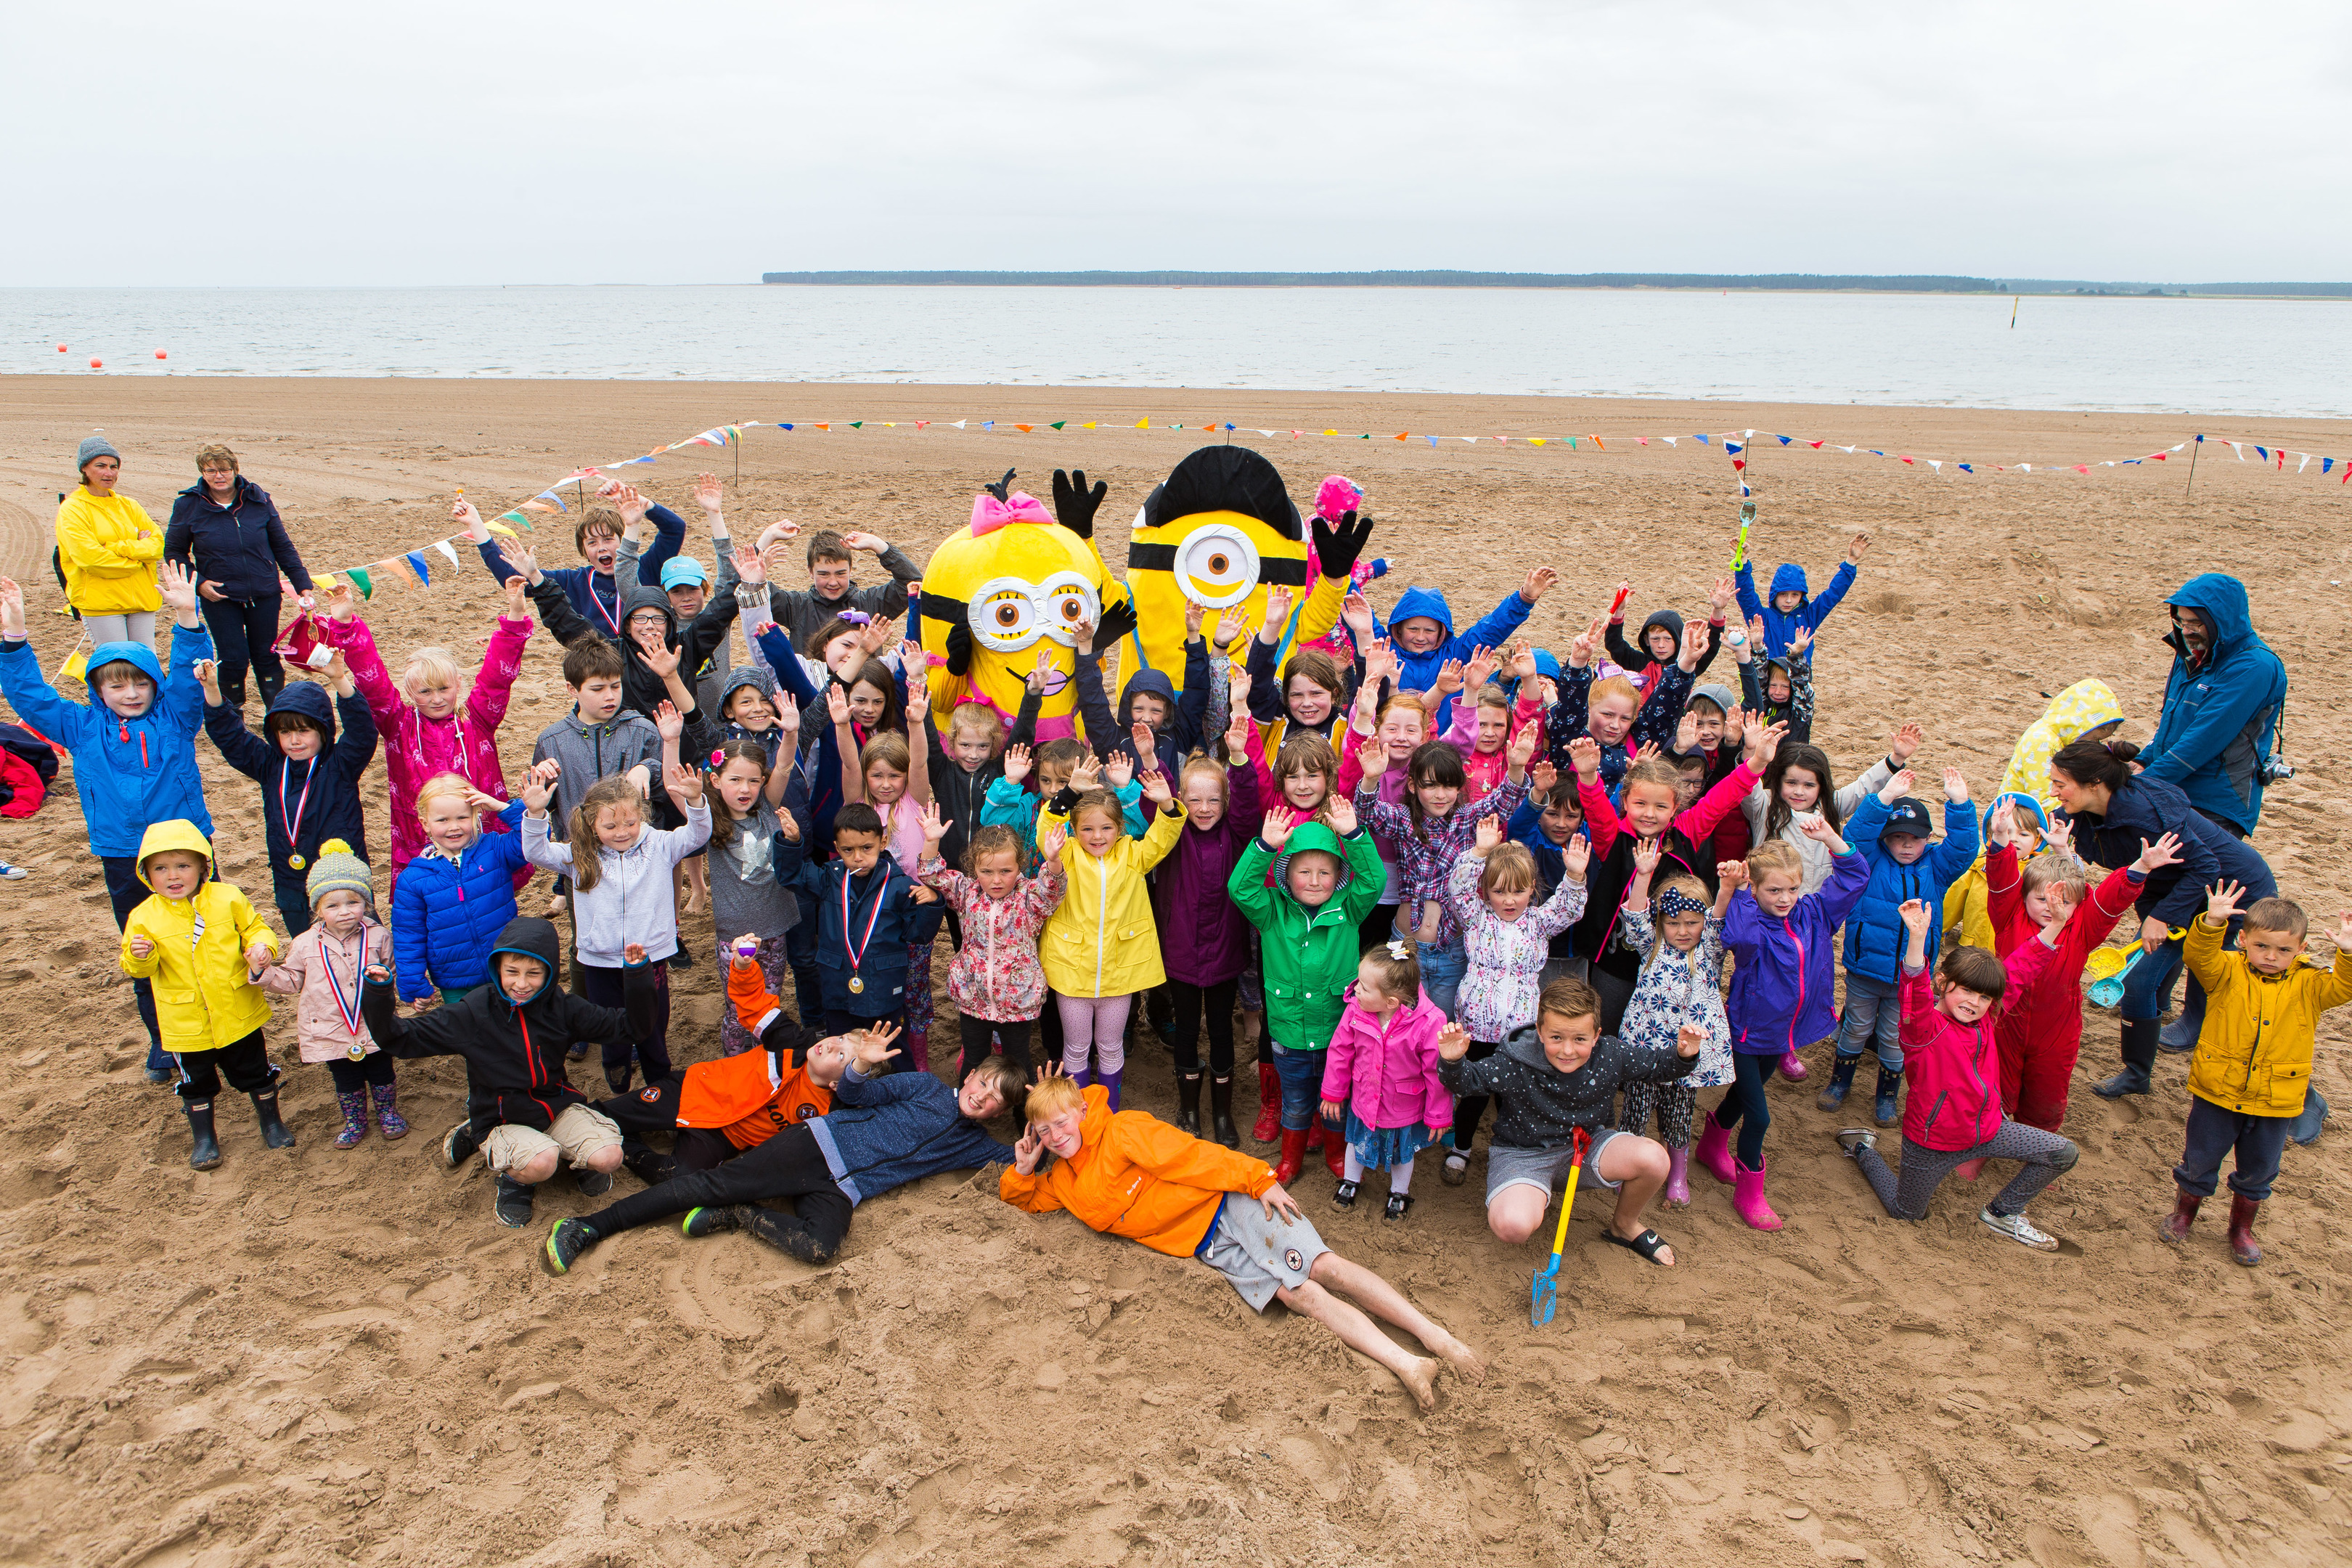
(225,529)
(2112,809)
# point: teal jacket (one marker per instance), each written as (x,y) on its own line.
(1309,955)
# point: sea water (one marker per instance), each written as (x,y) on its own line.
(2279,357)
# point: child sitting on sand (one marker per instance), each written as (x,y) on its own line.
(1129,1174)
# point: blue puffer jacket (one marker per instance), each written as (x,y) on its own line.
(129,773)
(2218,716)
(321,797)
(1874,932)
(446,919)
(241,547)
(1418,671)
(1790,577)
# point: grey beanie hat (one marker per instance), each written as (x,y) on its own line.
(94,447)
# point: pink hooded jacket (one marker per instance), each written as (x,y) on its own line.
(316,965)
(1389,1079)
(416,748)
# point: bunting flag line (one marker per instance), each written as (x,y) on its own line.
(1738,446)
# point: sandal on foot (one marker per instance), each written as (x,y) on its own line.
(1344,1195)
(1400,1204)
(1648,1244)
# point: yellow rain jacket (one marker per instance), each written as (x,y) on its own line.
(1101,940)
(205,995)
(2073,713)
(110,570)
(2254,1053)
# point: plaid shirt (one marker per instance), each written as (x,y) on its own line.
(1424,859)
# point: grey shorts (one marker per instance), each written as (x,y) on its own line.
(1259,1254)
(1547,1169)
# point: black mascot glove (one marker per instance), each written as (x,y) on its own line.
(958,649)
(1075,505)
(1336,549)
(1117,622)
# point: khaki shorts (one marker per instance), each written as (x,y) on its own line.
(577,1135)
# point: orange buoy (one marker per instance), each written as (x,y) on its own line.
(159,353)
(93,365)
(61,348)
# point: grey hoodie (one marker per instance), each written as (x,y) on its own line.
(592,752)
(633,900)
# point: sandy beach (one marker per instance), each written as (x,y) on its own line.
(330,1357)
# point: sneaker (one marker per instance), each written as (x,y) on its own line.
(1400,1204)
(2020,1229)
(787,1236)
(513,1205)
(13,873)
(1344,1195)
(702,1222)
(592,1182)
(457,1145)
(1454,1169)
(566,1242)
(1853,1138)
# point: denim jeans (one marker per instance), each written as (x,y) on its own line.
(1301,1073)
(1442,969)
(1872,1011)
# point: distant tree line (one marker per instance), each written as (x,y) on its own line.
(1903,283)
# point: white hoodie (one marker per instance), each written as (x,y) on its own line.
(633,900)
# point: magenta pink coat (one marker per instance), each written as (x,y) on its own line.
(1389,1078)
(416,748)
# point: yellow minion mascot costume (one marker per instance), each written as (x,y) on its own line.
(1011,582)
(1219,532)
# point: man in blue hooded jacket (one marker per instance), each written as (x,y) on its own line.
(1790,606)
(2213,737)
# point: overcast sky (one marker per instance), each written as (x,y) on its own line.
(520,140)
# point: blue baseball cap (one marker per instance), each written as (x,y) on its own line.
(680,570)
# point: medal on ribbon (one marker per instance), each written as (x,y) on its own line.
(857,953)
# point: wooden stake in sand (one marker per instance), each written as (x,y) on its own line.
(2192,467)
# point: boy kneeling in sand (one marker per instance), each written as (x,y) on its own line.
(1131,1174)
(1551,1080)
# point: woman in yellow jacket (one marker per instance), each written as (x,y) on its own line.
(2252,1071)
(107,547)
(1101,946)
(200,944)
(2088,707)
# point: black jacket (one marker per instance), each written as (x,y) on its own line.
(321,796)
(1539,1107)
(241,546)
(959,795)
(514,1054)
(2145,808)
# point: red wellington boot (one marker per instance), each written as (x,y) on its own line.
(1269,1105)
(1294,1155)
(1335,1152)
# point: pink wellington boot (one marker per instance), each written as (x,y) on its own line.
(1793,1067)
(1678,1177)
(1715,1151)
(1969,1170)
(1747,1198)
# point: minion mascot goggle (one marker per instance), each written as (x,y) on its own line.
(1012,583)
(1218,533)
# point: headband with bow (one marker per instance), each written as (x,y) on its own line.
(1674,901)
